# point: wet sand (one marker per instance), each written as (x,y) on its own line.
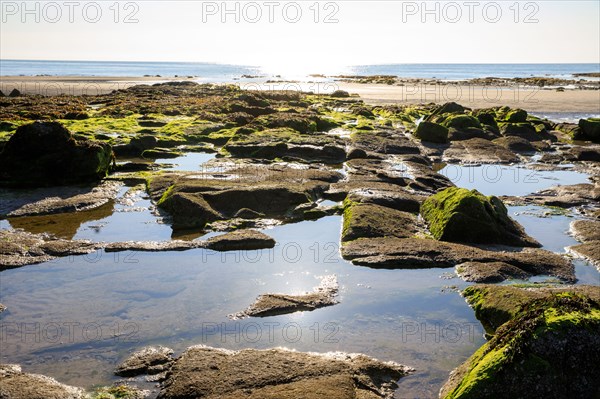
(529,98)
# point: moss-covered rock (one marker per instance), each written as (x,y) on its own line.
(459,215)
(46,154)
(488,119)
(494,305)
(516,115)
(432,132)
(549,349)
(590,130)
(449,108)
(461,122)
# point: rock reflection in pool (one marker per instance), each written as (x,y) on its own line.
(508,180)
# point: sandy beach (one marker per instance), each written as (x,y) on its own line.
(532,99)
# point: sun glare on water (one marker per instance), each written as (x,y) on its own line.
(300,70)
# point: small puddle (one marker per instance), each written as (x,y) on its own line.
(508,180)
(129,217)
(191,161)
(550,227)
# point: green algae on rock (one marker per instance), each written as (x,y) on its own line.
(494,305)
(459,215)
(432,132)
(46,154)
(548,349)
(589,130)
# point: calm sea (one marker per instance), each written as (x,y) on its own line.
(222,72)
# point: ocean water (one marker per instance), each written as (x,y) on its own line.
(224,72)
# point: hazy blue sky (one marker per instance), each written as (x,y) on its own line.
(340,33)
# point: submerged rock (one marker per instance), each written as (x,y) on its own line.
(278,304)
(14,384)
(459,215)
(548,349)
(240,240)
(2,308)
(150,360)
(46,154)
(204,372)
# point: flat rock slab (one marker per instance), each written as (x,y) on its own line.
(240,240)
(45,201)
(563,196)
(204,372)
(14,384)
(490,272)
(152,246)
(368,220)
(478,150)
(278,304)
(18,248)
(413,253)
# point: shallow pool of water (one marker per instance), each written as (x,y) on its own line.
(130,217)
(509,180)
(89,312)
(550,227)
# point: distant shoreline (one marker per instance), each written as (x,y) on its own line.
(533,99)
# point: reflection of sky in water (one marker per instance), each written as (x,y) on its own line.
(182,298)
(568,117)
(509,180)
(190,161)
